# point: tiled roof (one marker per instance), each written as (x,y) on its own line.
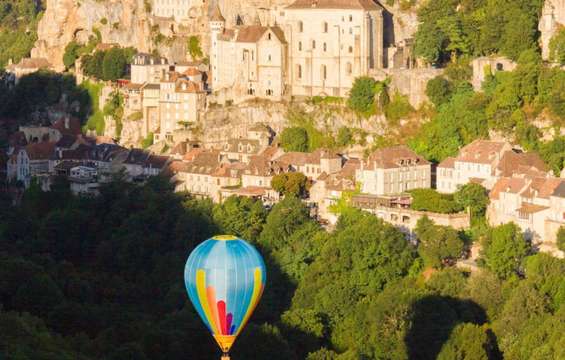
(513,185)
(520,163)
(251,33)
(70,126)
(249,146)
(482,151)
(156,161)
(448,163)
(40,151)
(335,4)
(559,190)
(531,208)
(31,63)
(541,187)
(137,157)
(66,141)
(394,157)
(262,166)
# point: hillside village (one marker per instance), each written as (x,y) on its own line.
(291,53)
(396,166)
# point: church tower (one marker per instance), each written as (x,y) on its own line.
(217,26)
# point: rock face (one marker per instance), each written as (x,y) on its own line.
(124,22)
(552,18)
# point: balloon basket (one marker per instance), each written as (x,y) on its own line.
(225,356)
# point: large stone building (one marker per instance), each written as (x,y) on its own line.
(312,47)
(331,42)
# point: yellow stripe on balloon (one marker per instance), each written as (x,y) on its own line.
(202,296)
(255,296)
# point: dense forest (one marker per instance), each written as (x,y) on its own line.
(102,278)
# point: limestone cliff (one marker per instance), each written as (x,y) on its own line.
(552,18)
(119,21)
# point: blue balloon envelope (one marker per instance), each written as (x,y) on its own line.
(225,278)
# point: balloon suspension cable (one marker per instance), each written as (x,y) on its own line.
(225,356)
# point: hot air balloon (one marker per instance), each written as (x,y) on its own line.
(225,277)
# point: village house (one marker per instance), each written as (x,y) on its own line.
(195,173)
(248,60)
(84,180)
(393,170)
(146,68)
(29,162)
(535,204)
(313,164)
(329,188)
(26,66)
(484,162)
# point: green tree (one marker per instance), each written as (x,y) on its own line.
(468,342)
(474,197)
(71,54)
(294,184)
(561,238)
(437,244)
(431,200)
(344,136)
(438,90)
(557,47)
(194,48)
(505,249)
(114,64)
(294,139)
(362,95)
(240,216)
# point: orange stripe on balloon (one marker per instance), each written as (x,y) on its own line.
(211,292)
(202,297)
(255,296)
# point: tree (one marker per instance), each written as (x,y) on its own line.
(344,136)
(114,64)
(294,184)
(438,90)
(294,139)
(437,244)
(71,54)
(474,197)
(362,95)
(560,240)
(505,249)
(468,342)
(194,48)
(557,47)
(240,216)
(431,200)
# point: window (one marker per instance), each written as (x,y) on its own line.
(349,68)
(325,27)
(313,44)
(350,49)
(269,57)
(300,26)
(269,36)
(350,31)
(300,46)
(299,71)
(325,47)
(324,72)
(350,18)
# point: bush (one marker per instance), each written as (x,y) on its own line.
(194,48)
(114,64)
(362,96)
(71,54)
(557,47)
(294,139)
(561,238)
(438,90)
(398,109)
(344,136)
(431,200)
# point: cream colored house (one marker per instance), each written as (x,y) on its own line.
(393,170)
(314,164)
(535,204)
(484,162)
(331,42)
(146,68)
(247,61)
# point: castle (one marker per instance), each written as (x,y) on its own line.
(309,48)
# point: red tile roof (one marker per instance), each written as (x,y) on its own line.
(394,157)
(41,150)
(335,4)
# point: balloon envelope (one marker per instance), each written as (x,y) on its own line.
(225,277)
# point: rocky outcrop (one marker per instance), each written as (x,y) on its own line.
(552,18)
(124,22)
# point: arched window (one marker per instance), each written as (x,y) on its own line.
(299,71)
(300,26)
(348,68)
(325,27)
(324,72)
(269,36)
(300,46)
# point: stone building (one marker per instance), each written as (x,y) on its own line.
(247,61)
(393,170)
(552,19)
(331,42)
(484,162)
(26,66)
(147,68)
